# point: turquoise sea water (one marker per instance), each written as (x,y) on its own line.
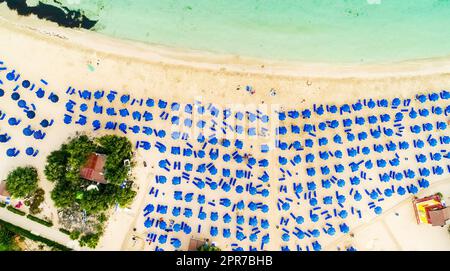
(308,30)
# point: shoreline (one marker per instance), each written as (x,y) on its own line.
(214,62)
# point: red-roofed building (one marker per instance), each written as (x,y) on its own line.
(94,169)
(431,210)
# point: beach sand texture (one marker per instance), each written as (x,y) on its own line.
(87,61)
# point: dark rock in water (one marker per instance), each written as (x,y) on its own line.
(62,16)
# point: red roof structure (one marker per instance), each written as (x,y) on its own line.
(431,210)
(94,169)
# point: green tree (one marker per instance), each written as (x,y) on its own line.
(74,235)
(35,201)
(22,181)
(56,167)
(70,190)
(118,150)
(7,242)
(78,150)
(208,247)
(63,194)
(90,240)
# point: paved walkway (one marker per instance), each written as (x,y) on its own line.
(51,233)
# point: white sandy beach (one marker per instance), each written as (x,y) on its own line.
(41,50)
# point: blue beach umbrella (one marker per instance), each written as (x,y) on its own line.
(357,196)
(162,225)
(316,246)
(148,223)
(240,220)
(286,206)
(378,210)
(214,216)
(176,243)
(227,218)
(401,191)
(315,233)
(240,205)
(226,233)
(344,228)
(176,227)
(213,231)
(331,231)
(314,217)
(388,192)
(343,214)
(252,206)
(176,211)
(285,237)
(240,235)
(162,239)
(299,219)
(149,208)
(29,151)
(187,229)
(202,215)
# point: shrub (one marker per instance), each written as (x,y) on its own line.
(16,211)
(22,181)
(90,240)
(40,221)
(7,242)
(55,170)
(2,204)
(207,247)
(74,235)
(64,231)
(35,201)
(31,236)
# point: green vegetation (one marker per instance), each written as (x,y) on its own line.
(2,204)
(16,211)
(40,221)
(71,191)
(35,200)
(74,235)
(27,234)
(208,247)
(90,240)
(64,231)
(7,242)
(22,181)
(118,150)
(64,165)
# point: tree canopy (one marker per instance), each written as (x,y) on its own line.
(64,165)
(90,240)
(7,242)
(22,181)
